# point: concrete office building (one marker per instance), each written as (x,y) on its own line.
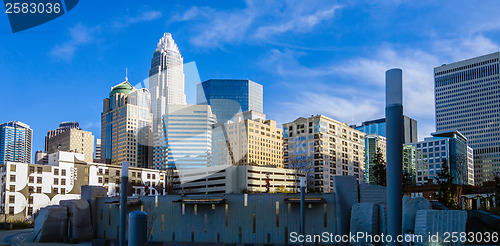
(126,126)
(377,127)
(185,141)
(467,95)
(372,144)
(166,78)
(323,148)
(255,141)
(227,179)
(16,139)
(430,153)
(41,157)
(29,187)
(73,140)
(64,126)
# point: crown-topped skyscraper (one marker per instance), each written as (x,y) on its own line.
(166,78)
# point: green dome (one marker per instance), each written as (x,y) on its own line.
(124,87)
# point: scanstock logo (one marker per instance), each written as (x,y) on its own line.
(25,14)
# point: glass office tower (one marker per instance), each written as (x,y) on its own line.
(15,142)
(230,96)
(377,127)
(467,99)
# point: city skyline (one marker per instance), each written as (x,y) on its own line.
(331,42)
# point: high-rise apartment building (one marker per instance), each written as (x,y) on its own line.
(230,96)
(377,127)
(430,154)
(166,78)
(15,142)
(126,126)
(372,144)
(323,148)
(72,140)
(255,141)
(185,140)
(466,94)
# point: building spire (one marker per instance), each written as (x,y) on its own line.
(126,74)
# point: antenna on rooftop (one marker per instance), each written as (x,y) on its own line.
(126,74)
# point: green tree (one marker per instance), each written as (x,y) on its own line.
(379,168)
(446,188)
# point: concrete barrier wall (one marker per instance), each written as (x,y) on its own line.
(262,219)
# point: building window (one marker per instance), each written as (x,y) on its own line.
(55,190)
(39,180)
(30,211)
(106,180)
(63,181)
(12,199)
(31,179)
(63,172)
(30,200)
(38,189)
(39,169)
(63,191)
(12,188)
(56,171)
(100,180)
(32,169)
(117,172)
(56,181)
(12,178)
(12,167)
(11,210)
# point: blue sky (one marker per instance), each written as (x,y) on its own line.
(313,57)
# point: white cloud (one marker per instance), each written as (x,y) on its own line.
(465,48)
(258,21)
(82,34)
(79,35)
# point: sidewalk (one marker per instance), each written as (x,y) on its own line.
(23,238)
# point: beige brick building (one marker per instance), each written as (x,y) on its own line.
(256,141)
(73,140)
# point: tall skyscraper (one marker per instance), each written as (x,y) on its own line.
(230,96)
(126,126)
(466,94)
(323,148)
(377,127)
(73,140)
(166,78)
(64,126)
(15,142)
(185,141)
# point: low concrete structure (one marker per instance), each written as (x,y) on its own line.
(439,222)
(364,218)
(410,208)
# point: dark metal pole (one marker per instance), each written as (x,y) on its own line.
(394,130)
(123,203)
(302,205)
